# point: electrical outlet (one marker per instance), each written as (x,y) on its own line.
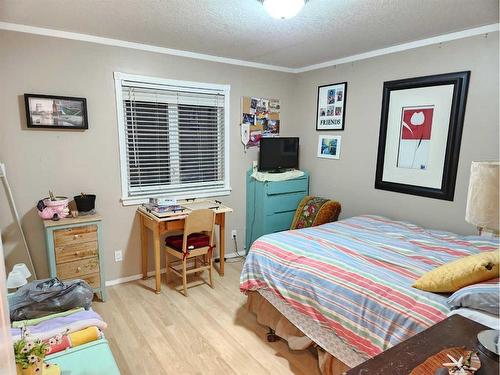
(118,256)
(233,233)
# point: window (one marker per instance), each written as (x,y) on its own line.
(173,138)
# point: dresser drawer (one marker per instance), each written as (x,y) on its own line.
(279,222)
(76,251)
(289,186)
(283,203)
(93,280)
(63,237)
(78,268)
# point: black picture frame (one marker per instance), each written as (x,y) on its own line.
(460,82)
(54,118)
(344,102)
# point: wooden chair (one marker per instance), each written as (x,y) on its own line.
(196,242)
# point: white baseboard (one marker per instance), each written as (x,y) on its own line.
(127,279)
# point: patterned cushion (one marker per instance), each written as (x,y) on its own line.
(314,211)
(481,296)
(194,241)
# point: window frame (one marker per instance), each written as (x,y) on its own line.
(128,200)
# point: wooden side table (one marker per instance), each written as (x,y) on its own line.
(74,250)
(404,357)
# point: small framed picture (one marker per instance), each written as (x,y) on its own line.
(329,146)
(330,114)
(55,112)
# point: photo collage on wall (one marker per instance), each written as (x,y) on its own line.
(262,117)
(331,107)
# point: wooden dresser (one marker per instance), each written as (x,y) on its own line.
(74,250)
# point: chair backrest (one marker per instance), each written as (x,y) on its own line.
(199,221)
(314,211)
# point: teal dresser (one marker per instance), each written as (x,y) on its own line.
(271,205)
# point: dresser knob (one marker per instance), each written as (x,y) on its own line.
(77,253)
(78,269)
(75,236)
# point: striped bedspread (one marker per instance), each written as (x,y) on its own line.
(354,276)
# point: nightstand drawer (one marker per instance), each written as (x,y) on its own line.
(74,235)
(93,280)
(288,186)
(76,251)
(279,222)
(282,203)
(77,269)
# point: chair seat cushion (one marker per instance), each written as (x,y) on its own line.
(194,241)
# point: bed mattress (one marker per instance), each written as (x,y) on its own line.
(353,278)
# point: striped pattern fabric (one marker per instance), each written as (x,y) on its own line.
(483,296)
(354,276)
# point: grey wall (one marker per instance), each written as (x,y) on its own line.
(351,179)
(69,162)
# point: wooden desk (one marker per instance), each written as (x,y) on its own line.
(175,222)
(404,357)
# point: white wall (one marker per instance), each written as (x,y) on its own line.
(351,179)
(68,162)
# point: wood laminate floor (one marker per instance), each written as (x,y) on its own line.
(209,332)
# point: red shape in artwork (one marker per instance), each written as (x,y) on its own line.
(417,123)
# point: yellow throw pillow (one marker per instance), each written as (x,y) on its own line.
(459,273)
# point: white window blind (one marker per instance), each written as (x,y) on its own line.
(173,138)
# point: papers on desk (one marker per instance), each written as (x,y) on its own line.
(156,209)
(183,208)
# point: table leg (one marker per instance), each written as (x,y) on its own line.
(144,248)
(222,242)
(156,241)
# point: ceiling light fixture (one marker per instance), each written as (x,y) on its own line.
(283,9)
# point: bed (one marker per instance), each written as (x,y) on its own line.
(347,285)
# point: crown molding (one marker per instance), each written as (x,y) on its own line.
(403,47)
(250,64)
(138,46)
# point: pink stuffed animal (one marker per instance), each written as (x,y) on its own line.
(53,210)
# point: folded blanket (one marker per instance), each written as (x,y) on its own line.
(60,342)
(32,322)
(84,336)
(64,324)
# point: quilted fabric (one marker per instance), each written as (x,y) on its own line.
(313,211)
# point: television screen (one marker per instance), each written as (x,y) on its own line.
(278,154)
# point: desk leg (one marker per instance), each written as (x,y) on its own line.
(156,242)
(222,240)
(144,248)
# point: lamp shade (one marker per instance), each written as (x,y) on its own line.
(15,280)
(23,269)
(482,199)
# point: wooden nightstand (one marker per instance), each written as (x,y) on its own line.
(74,250)
(404,357)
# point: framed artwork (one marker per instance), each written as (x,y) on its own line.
(420,134)
(55,112)
(329,146)
(330,111)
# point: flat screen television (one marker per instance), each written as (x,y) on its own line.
(278,154)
